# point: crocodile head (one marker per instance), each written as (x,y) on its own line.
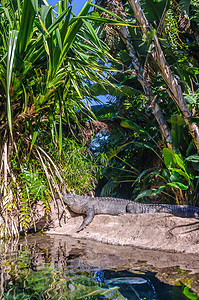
(68,199)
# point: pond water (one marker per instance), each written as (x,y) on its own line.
(51,267)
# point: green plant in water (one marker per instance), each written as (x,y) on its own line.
(188,293)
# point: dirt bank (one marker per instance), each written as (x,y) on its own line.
(147,231)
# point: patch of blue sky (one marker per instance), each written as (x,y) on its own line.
(77,4)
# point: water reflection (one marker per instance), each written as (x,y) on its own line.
(44,267)
(146,286)
(127,280)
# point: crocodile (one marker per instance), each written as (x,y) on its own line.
(91,206)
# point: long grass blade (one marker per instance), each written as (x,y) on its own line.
(26,26)
(47,175)
(76,23)
(7,15)
(60,135)
(53,164)
(11,54)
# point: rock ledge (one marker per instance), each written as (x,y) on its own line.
(147,231)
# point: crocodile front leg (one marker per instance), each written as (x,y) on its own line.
(88,219)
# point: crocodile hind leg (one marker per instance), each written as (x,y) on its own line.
(88,219)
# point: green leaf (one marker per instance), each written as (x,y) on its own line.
(60,135)
(108,12)
(10,59)
(182,173)
(177,123)
(166,175)
(26,26)
(190,295)
(138,179)
(175,177)
(7,14)
(191,99)
(178,185)
(103,20)
(113,90)
(193,158)
(44,11)
(169,160)
(35,6)
(55,24)
(33,139)
(159,190)
(180,162)
(93,33)
(133,126)
(154,9)
(184,6)
(148,146)
(177,119)
(143,194)
(114,151)
(144,145)
(75,24)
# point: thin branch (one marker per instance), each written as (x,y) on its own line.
(47,175)
(56,169)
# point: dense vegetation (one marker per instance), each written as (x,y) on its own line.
(158,59)
(52,63)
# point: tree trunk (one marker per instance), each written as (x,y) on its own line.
(147,88)
(115,7)
(174,89)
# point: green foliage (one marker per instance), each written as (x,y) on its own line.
(77,166)
(177,179)
(172,29)
(125,157)
(154,9)
(190,295)
(192,98)
(115,90)
(49,61)
(177,130)
(178,36)
(195,12)
(32,185)
(127,165)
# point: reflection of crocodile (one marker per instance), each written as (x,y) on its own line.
(90,207)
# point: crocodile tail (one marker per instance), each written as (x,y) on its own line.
(185,211)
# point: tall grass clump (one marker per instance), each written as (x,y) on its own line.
(48,63)
(77,165)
